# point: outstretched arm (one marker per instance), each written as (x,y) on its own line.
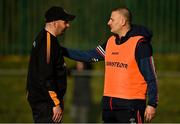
(93,55)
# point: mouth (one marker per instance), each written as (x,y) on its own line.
(63,30)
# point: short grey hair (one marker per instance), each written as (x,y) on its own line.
(125,12)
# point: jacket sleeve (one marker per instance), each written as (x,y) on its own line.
(58,84)
(93,55)
(145,63)
(50,63)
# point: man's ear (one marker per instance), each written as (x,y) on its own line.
(54,24)
(124,21)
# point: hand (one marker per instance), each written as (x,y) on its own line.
(57,114)
(149,113)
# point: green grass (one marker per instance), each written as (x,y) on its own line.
(169,100)
(168,62)
(14,106)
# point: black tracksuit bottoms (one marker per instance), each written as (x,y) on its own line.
(42,112)
(123,116)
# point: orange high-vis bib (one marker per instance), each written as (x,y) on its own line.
(122,76)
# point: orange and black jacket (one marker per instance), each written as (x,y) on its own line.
(46,80)
(144,59)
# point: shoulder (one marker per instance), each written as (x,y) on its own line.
(144,43)
(111,38)
(143,49)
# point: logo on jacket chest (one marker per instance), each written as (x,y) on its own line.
(117,64)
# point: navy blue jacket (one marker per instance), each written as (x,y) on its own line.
(143,54)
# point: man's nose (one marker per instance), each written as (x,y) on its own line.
(67,25)
(109,22)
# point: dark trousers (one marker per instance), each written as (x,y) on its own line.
(42,112)
(123,116)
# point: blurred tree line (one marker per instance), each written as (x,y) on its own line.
(21,20)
